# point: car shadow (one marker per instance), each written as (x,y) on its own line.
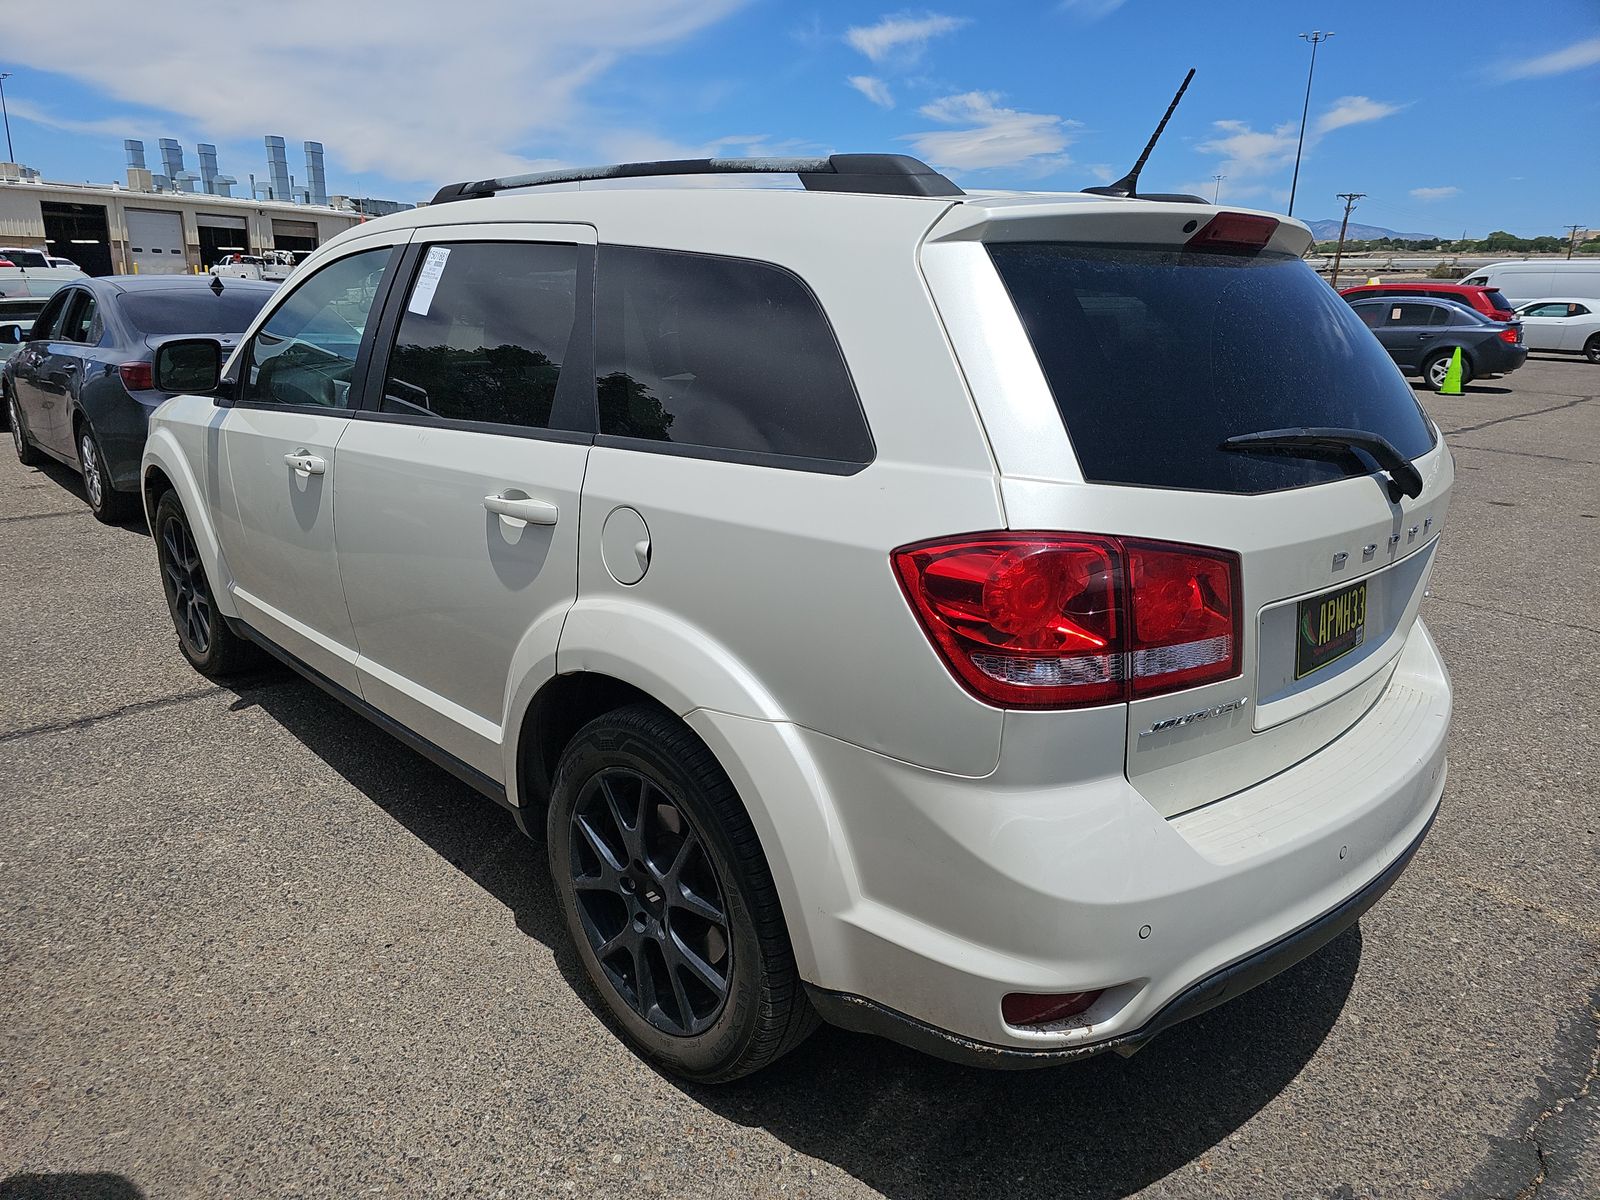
(69,1185)
(69,480)
(1470,389)
(905,1124)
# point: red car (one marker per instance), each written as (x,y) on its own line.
(1486,300)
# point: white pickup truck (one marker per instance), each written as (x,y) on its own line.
(26,272)
(273,266)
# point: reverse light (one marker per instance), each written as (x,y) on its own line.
(137,376)
(1024,1008)
(1230,232)
(1058,620)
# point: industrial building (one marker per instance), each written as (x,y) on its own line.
(176,221)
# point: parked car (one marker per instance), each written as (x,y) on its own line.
(25,272)
(275,265)
(78,389)
(990,621)
(1522,282)
(1563,324)
(1487,302)
(64,263)
(18,311)
(1422,336)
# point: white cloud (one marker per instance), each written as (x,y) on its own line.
(1434,193)
(904,35)
(873,89)
(1092,10)
(1354,110)
(104,127)
(991,136)
(1558,62)
(495,89)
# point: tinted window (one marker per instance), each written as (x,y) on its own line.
(79,325)
(485,332)
(306,352)
(49,321)
(193,310)
(1155,357)
(1415,314)
(724,353)
(25,258)
(1372,314)
(1498,301)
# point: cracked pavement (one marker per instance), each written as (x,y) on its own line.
(250,946)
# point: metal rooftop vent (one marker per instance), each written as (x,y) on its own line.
(869,174)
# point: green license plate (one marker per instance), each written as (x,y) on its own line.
(1330,626)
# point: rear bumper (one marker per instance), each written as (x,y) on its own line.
(861,1015)
(919,899)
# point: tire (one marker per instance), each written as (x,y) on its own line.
(682,881)
(1437,364)
(1591,349)
(211,647)
(105,502)
(27,454)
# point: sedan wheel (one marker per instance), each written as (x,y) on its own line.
(26,454)
(89,459)
(1591,349)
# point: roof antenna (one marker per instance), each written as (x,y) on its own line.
(1127,186)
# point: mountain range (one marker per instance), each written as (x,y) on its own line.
(1327,231)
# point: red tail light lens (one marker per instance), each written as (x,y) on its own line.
(1511,334)
(1232,232)
(1052,620)
(137,376)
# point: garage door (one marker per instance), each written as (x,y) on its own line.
(220,235)
(155,241)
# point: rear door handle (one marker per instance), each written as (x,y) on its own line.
(523,508)
(305,463)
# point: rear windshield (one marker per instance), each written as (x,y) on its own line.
(25,258)
(196,311)
(1498,301)
(1155,357)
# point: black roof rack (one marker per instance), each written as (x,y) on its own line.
(873,174)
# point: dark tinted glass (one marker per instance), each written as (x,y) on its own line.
(193,310)
(306,352)
(1499,302)
(48,323)
(484,334)
(1155,357)
(80,319)
(724,353)
(25,258)
(1413,314)
(1371,315)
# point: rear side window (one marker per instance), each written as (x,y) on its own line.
(80,322)
(1415,314)
(724,354)
(484,333)
(1155,357)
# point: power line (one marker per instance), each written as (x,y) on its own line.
(1349,199)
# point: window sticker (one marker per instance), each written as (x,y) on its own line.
(428,280)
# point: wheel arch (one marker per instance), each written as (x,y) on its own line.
(165,466)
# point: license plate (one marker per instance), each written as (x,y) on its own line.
(1330,626)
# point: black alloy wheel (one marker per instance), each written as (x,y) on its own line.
(1591,349)
(27,454)
(650,903)
(669,898)
(188,593)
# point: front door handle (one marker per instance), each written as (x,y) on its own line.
(305,463)
(523,508)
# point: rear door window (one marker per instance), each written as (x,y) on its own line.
(730,356)
(1407,315)
(1155,357)
(484,333)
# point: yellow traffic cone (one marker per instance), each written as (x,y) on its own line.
(1452,377)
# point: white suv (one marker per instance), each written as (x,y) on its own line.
(988,621)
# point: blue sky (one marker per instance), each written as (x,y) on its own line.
(1451,118)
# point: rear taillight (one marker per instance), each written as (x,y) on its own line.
(1231,232)
(137,376)
(1056,620)
(1511,334)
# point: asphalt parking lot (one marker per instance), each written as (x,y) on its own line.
(250,946)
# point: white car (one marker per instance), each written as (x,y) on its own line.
(1562,324)
(986,620)
(25,272)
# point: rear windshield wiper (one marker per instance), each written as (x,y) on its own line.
(1404,478)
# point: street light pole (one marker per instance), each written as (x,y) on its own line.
(1316,38)
(10,154)
(1217,192)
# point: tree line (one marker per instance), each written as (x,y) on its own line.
(1498,242)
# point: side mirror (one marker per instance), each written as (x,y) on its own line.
(192,366)
(13,335)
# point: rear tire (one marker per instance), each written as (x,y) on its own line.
(1434,369)
(105,502)
(1591,349)
(204,637)
(669,899)
(27,455)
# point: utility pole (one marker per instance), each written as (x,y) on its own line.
(11,155)
(1315,38)
(1572,239)
(1349,199)
(1218,192)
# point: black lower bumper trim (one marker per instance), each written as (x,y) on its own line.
(861,1015)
